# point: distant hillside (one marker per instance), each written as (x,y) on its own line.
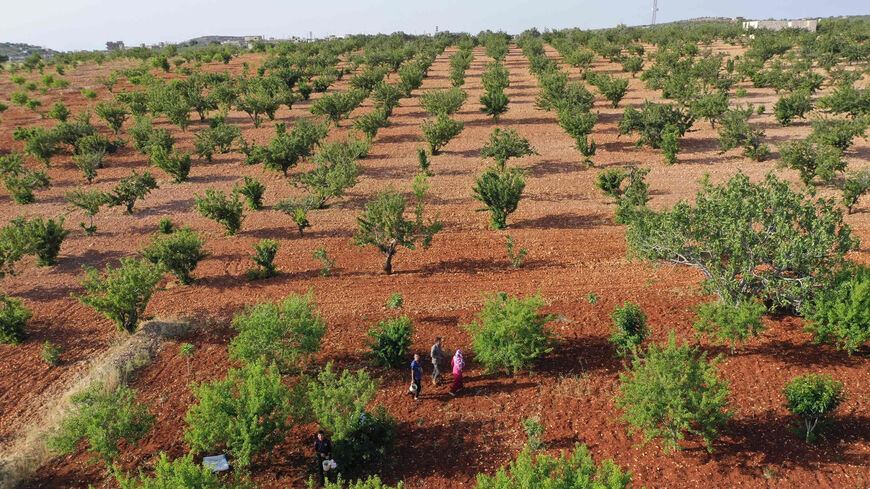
(18,51)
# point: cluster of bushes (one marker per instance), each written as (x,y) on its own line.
(500,187)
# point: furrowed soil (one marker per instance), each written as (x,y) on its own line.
(575,250)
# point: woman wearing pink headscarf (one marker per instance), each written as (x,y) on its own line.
(458,364)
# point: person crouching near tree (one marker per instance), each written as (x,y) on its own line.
(323,449)
(458,364)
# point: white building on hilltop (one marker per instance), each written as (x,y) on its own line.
(777,25)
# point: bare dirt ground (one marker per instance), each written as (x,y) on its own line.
(575,249)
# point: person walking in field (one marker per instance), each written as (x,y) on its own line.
(458,364)
(416,377)
(437,354)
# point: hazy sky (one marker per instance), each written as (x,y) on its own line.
(88,24)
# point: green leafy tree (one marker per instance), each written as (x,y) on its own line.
(494,103)
(173,163)
(335,170)
(839,133)
(578,125)
(510,333)
(613,88)
(386,97)
(41,237)
(855,185)
(495,77)
(735,131)
(178,253)
(440,131)
(575,470)
(735,324)
(390,341)
(751,241)
(337,106)
(226,211)
(22,183)
(670,144)
(284,333)
(652,121)
(841,313)
(813,398)
(50,353)
(630,329)
(88,163)
(632,64)
(58,111)
(219,137)
(812,160)
(264,258)
(287,149)
(121,293)
(500,192)
(252,190)
(13,320)
(259,96)
(338,403)
(114,114)
(788,107)
(709,106)
(132,188)
(411,78)
(89,201)
(370,123)
(248,412)
(506,144)
(383,224)
(672,390)
(443,102)
(102,417)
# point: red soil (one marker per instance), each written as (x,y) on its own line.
(575,249)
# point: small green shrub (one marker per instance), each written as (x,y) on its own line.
(327,263)
(518,257)
(506,144)
(672,390)
(132,188)
(58,111)
(788,107)
(575,470)
(390,341)
(371,122)
(102,417)
(284,333)
(264,257)
(50,353)
(510,333)
(494,104)
(246,413)
(630,329)
(500,192)
(840,314)
(88,163)
(395,301)
(424,162)
(813,398)
(121,293)
(181,473)
(443,102)
(812,160)
(178,253)
(13,319)
(173,163)
(440,131)
(22,184)
(534,432)
(734,323)
(165,226)
(186,350)
(252,190)
(338,105)
(89,202)
(216,206)
(114,114)
(855,185)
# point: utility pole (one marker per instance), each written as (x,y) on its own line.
(654,10)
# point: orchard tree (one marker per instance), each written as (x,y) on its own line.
(383,224)
(130,189)
(177,253)
(813,398)
(89,201)
(339,105)
(494,103)
(440,131)
(812,160)
(443,102)
(540,470)
(504,144)
(751,241)
(840,314)
(287,149)
(500,192)
(671,390)
(227,211)
(121,293)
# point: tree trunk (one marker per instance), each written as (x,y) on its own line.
(388,265)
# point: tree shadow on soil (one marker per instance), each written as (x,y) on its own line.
(564,221)
(801,355)
(579,355)
(476,265)
(769,436)
(544,168)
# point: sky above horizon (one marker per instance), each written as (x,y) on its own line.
(66,25)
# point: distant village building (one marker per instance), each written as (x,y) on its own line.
(114,45)
(777,25)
